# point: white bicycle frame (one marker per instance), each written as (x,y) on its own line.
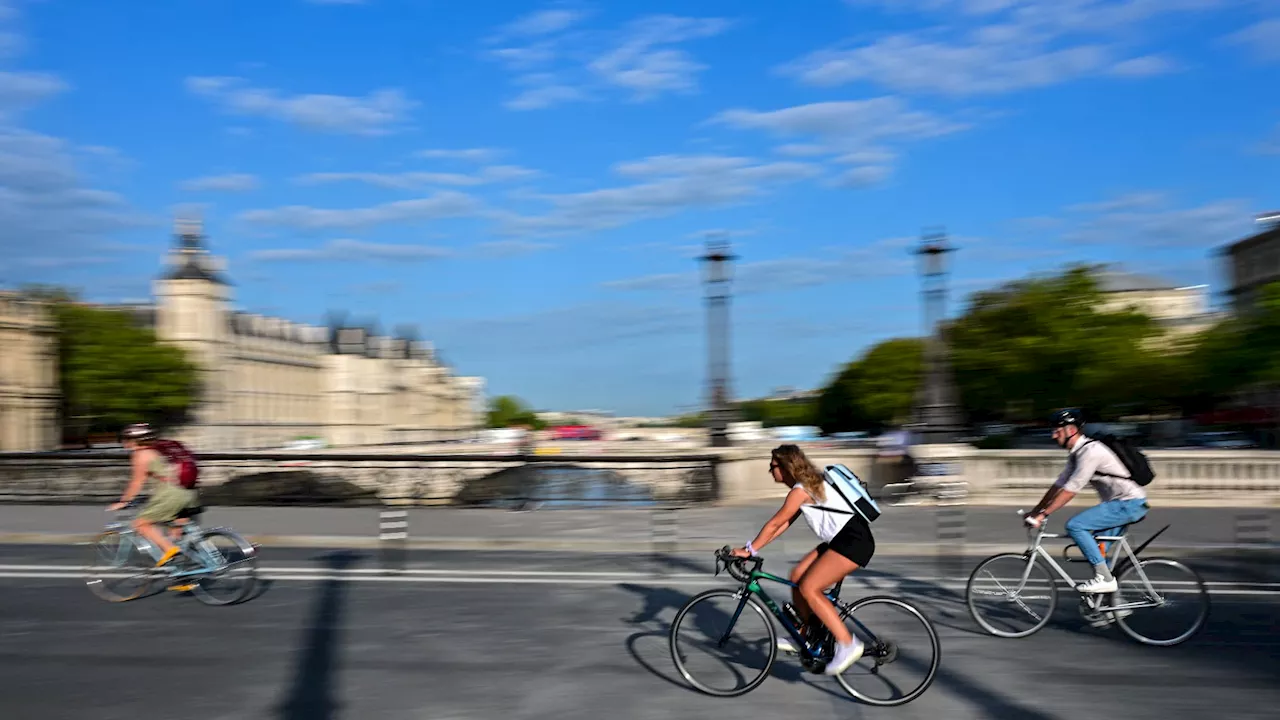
(1093,600)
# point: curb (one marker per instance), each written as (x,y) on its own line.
(603,546)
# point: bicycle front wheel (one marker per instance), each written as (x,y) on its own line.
(1175,602)
(1011,596)
(233,563)
(723,642)
(118,570)
(901,654)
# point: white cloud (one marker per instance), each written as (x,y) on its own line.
(543,92)
(998,46)
(467,154)
(671,183)
(557,63)
(233,182)
(543,22)
(642,65)
(1151,220)
(399,181)
(337,2)
(441,205)
(417,180)
(856,130)
(882,258)
(1262,38)
(1145,66)
(512,248)
(353,251)
(21,90)
(44,205)
(378,113)
(851,124)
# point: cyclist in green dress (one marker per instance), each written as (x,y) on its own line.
(168,498)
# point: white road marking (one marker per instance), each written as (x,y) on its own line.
(556,577)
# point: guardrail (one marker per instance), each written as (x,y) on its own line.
(364,479)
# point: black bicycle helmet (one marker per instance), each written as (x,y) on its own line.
(1067,416)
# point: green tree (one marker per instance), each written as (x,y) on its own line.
(775,413)
(508,410)
(875,391)
(113,372)
(1036,344)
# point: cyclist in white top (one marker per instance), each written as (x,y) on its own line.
(1091,463)
(848,538)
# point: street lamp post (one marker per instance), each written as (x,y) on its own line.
(937,413)
(718,272)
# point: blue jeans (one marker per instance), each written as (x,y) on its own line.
(1106,517)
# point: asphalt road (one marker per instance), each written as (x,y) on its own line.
(620,527)
(543,635)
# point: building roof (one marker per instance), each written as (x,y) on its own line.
(1111,281)
(1267,233)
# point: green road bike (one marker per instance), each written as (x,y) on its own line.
(1158,601)
(903,641)
(218,564)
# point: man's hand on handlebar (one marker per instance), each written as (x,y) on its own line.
(740,553)
(1034,521)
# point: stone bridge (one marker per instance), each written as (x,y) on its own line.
(740,474)
(259,478)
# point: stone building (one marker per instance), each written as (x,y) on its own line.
(28,375)
(266,381)
(1179,310)
(1253,262)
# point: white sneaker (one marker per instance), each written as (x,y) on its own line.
(787,645)
(1098,585)
(846,655)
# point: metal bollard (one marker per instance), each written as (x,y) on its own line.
(663,533)
(1252,528)
(951,539)
(393,539)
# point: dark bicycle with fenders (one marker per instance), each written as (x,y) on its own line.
(903,641)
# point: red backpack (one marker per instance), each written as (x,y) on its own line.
(178,454)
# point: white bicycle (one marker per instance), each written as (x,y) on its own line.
(1012,588)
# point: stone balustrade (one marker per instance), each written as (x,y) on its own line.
(478,473)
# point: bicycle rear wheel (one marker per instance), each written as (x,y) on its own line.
(899,641)
(236,560)
(1002,603)
(723,630)
(118,570)
(1176,587)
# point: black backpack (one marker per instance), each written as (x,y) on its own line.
(1132,458)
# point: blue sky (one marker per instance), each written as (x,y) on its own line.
(529,182)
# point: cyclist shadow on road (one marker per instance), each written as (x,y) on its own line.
(650,647)
(310,693)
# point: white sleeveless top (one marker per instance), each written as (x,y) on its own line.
(825,523)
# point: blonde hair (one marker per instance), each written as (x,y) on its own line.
(796,466)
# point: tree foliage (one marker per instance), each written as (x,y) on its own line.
(874,391)
(113,372)
(509,411)
(777,413)
(1021,350)
(1042,343)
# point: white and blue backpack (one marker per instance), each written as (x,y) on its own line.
(856,499)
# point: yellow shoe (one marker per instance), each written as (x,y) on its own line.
(171,554)
(183,588)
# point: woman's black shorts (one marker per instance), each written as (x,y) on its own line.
(854,541)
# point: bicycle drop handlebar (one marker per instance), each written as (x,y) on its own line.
(736,566)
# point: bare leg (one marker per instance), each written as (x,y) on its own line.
(153,533)
(797,599)
(824,573)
